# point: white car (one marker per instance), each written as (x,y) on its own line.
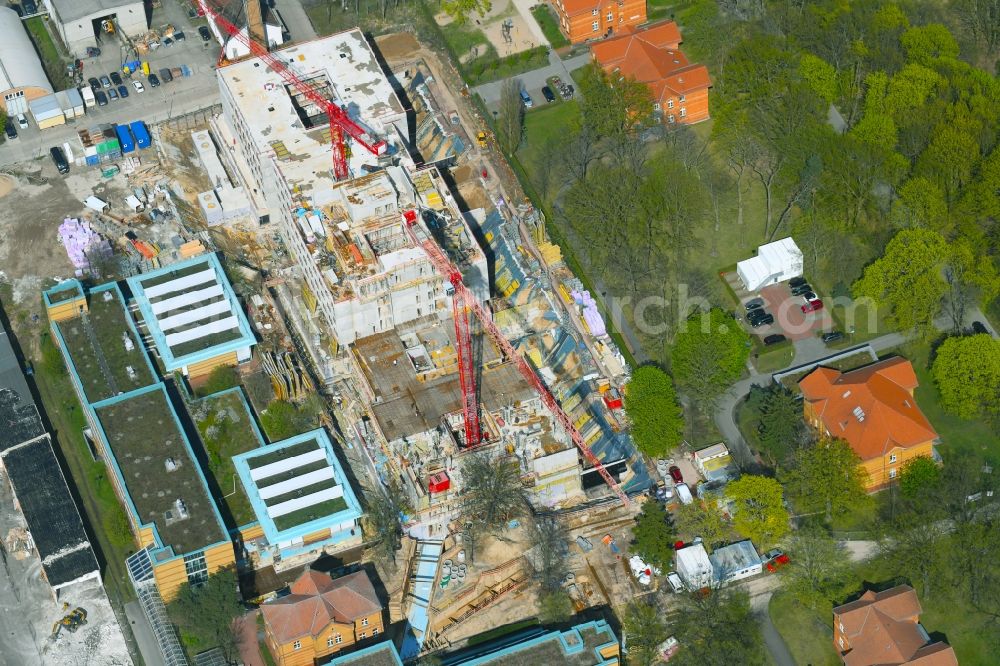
(139,88)
(22,122)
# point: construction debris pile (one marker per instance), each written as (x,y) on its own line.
(83,244)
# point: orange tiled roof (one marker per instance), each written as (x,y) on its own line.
(883,628)
(871,408)
(652,56)
(316,600)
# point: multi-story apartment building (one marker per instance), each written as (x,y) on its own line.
(581,20)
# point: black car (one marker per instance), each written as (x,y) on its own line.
(797,282)
(548,94)
(179,36)
(95,85)
(29,7)
(774,339)
(10,129)
(754,303)
(153,81)
(978,327)
(59,157)
(832,336)
(206,34)
(766,320)
(809,296)
(756,313)
(102,99)
(801,289)
(122,92)
(117,78)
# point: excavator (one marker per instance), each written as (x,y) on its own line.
(72,621)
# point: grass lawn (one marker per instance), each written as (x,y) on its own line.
(807,632)
(463,39)
(49,52)
(540,124)
(776,357)
(546,20)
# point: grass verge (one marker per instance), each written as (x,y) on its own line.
(48,52)
(546,20)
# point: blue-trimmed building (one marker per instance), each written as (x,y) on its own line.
(301,496)
(192,316)
(586,644)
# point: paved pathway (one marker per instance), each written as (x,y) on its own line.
(524,9)
(296,20)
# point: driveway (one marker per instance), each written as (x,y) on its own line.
(534,80)
(296,20)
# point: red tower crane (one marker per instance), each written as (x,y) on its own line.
(463,301)
(340,122)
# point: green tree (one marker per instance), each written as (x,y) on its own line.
(221,378)
(554,607)
(919,478)
(492,494)
(827,477)
(920,203)
(708,355)
(651,404)
(653,535)
(718,629)
(759,513)
(950,159)
(907,278)
(205,613)
(777,421)
(928,42)
(616,106)
(702,519)
(966,371)
(460,10)
(820,75)
(116,526)
(510,118)
(644,631)
(282,419)
(385,507)
(821,565)
(971,277)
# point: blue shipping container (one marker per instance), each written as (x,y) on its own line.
(125,138)
(93,160)
(141,134)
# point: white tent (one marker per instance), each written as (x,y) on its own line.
(775,262)
(694,567)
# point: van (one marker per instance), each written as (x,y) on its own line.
(526,98)
(684,493)
(675,582)
(60,159)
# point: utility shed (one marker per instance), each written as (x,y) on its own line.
(47,112)
(22,77)
(694,567)
(735,562)
(775,262)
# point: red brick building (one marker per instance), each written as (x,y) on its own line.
(581,20)
(652,55)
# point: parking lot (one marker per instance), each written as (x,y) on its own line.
(169,99)
(789,319)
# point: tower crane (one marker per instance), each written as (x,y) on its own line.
(463,302)
(340,123)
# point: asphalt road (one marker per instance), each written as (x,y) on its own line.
(534,80)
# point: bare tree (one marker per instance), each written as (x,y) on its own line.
(492,495)
(384,510)
(550,552)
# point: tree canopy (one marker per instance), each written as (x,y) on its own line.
(709,354)
(653,535)
(967,373)
(205,613)
(827,477)
(702,519)
(492,494)
(778,422)
(651,405)
(718,628)
(759,514)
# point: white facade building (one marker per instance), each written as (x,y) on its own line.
(22,77)
(735,562)
(694,567)
(775,262)
(78,22)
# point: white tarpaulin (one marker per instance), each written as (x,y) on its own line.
(775,262)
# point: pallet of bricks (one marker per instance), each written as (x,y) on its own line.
(100,144)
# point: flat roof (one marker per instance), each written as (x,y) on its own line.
(106,355)
(382,654)
(74,10)
(577,646)
(19,417)
(344,66)
(734,557)
(297,486)
(156,465)
(191,311)
(50,512)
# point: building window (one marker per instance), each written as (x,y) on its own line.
(196,568)
(375,631)
(684,112)
(892,458)
(656,106)
(594,25)
(363,635)
(621,19)
(364,622)
(297,645)
(841,641)
(611,17)
(593,13)
(670,118)
(329,641)
(682,98)
(892,472)
(338,639)
(670,103)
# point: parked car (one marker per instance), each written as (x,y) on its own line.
(774,339)
(205,33)
(797,282)
(832,336)
(166,75)
(112,93)
(60,159)
(22,121)
(801,289)
(179,36)
(526,99)
(775,559)
(117,78)
(102,99)
(810,296)
(675,474)
(978,327)
(154,81)
(758,313)
(30,7)
(95,85)
(813,306)
(675,582)
(10,130)
(123,91)
(139,88)
(767,320)
(754,303)
(105,82)
(167,41)
(548,94)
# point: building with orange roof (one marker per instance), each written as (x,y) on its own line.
(652,55)
(884,628)
(581,20)
(321,617)
(873,409)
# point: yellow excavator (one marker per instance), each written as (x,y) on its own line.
(72,621)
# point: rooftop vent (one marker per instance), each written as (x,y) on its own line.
(181,509)
(859,414)
(129,345)
(107,296)
(846,393)
(171,466)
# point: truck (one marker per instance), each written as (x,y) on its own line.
(89,101)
